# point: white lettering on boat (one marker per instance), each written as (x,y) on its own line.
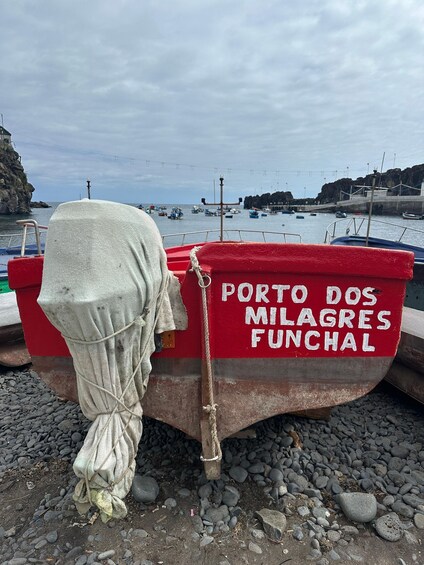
(300,325)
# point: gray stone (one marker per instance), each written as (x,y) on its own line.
(402,509)
(419,521)
(184,492)
(254,547)
(230,496)
(303,511)
(139,533)
(256,468)
(238,473)
(144,489)
(321,482)
(170,503)
(400,451)
(389,527)
(106,554)
(333,535)
(298,533)
(205,490)
(357,506)
(413,500)
(51,537)
(276,475)
(215,515)
(206,540)
(197,523)
(273,522)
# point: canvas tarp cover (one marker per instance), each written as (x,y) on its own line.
(106,287)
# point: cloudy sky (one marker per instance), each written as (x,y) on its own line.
(154,100)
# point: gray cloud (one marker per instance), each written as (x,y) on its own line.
(153,100)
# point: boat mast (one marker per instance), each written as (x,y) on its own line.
(221,205)
(370,209)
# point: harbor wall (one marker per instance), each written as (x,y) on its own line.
(387,205)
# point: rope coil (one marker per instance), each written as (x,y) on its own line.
(204,281)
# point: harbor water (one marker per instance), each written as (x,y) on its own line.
(310,228)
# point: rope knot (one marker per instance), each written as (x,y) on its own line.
(210,408)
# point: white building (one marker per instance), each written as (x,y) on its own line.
(5,136)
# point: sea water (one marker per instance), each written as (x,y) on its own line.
(310,229)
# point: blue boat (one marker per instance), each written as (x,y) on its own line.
(381,243)
(407,371)
(253,214)
(176,214)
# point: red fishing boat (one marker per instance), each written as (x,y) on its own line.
(243,330)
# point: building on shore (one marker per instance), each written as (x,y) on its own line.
(5,136)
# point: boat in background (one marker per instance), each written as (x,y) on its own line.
(408,216)
(407,371)
(273,328)
(13,351)
(176,213)
(340,214)
(22,243)
(353,232)
(254,214)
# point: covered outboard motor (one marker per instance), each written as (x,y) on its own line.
(107,289)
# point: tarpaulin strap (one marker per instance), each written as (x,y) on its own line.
(139,319)
(204,281)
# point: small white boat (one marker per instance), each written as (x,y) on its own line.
(408,216)
(13,351)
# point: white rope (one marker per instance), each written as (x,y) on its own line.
(139,319)
(119,400)
(204,281)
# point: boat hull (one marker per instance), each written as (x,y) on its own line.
(242,390)
(281,335)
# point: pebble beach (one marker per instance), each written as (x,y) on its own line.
(324,486)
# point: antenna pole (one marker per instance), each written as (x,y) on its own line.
(88,189)
(370,210)
(221,204)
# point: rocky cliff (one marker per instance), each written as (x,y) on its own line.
(267,199)
(15,190)
(392,178)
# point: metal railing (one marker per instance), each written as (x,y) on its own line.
(358,225)
(20,241)
(204,236)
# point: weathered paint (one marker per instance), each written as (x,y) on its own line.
(243,394)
